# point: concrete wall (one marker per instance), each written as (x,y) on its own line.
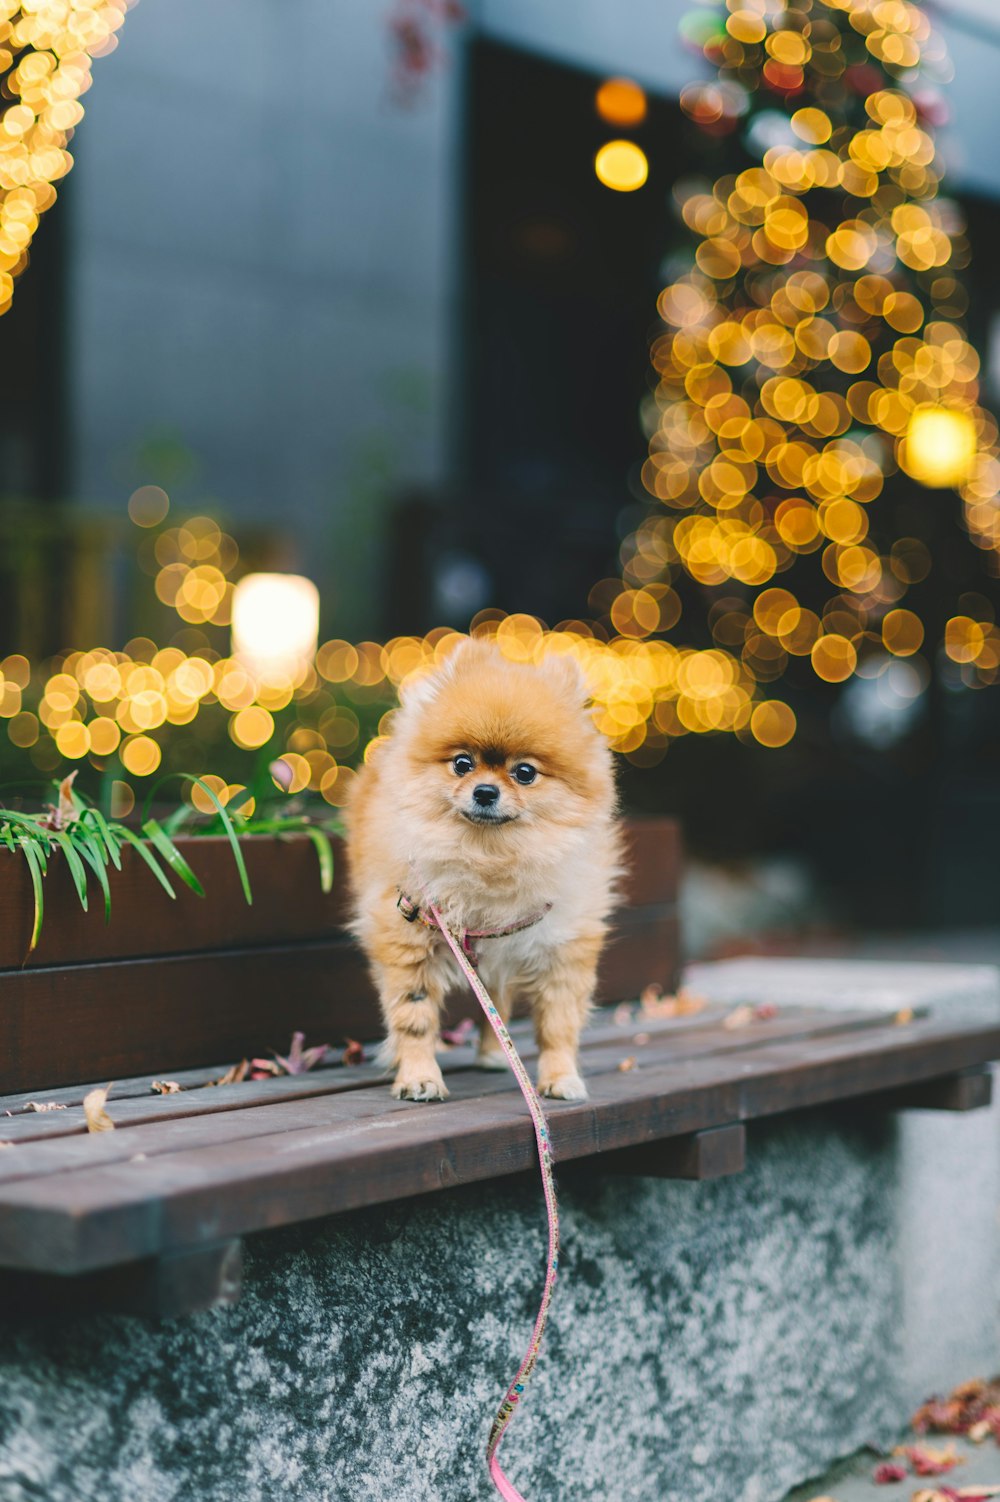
(720,1341)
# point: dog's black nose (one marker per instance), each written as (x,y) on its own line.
(486,794)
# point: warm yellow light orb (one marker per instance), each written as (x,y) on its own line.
(622,166)
(621,101)
(275,625)
(939,448)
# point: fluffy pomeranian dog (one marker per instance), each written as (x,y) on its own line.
(494,799)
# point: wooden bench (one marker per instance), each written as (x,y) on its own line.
(150,1216)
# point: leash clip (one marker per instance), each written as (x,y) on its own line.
(408,908)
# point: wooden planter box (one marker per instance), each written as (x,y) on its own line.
(169,985)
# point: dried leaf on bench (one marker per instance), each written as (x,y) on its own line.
(653,1003)
(354,1053)
(765,1011)
(165,1087)
(264,1069)
(622,1014)
(299,1059)
(739,1017)
(970,1493)
(627,1064)
(95,1115)
(43,1105)
(234,1075)
(889,1471)
(903,1016)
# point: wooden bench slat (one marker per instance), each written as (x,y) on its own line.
(354,1150)
(604,1048)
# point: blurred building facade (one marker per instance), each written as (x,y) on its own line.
(254,285)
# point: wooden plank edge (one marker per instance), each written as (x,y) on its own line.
(70,1239)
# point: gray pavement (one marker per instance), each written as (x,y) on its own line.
(852,1480)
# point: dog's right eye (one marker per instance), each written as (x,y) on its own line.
(462,764)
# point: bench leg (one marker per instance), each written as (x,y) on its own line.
(163,1287)
(711,1154)
(968,1090)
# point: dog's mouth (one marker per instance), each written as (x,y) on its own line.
(483,816)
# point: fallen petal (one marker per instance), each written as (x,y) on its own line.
(927,1461)
(889,1471)
(454,1037)
(95,1115)
(741,1017)
(165,1087)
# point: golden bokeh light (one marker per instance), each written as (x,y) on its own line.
(276,625)
(148,505)
(140,755)
(622,166)
(46,51)
(621,101)
(940,445)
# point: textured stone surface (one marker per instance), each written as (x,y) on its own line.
(948,1167)
(722,1340)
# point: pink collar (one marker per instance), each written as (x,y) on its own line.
(413,913)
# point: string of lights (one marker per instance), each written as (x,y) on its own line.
(46,50)
(812,347)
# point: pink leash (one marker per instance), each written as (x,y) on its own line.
(516,1389)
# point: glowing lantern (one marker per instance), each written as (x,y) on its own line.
(276,625)
(622,166)
(621,101)
(940,446)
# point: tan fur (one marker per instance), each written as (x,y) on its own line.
(409,830)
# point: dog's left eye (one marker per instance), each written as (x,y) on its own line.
(524,773)
(462,764)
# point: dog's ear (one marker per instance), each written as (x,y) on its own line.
(425,684)
(566,674)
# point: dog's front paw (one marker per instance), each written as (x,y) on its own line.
(420,1087)
(563,1087)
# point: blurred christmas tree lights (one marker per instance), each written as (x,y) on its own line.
(811,347)
(46,49)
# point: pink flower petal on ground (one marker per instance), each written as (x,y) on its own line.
(889,1471)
